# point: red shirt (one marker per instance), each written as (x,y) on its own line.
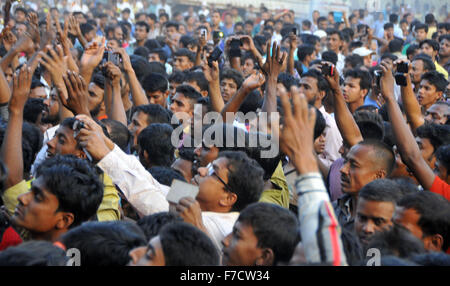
(440,187)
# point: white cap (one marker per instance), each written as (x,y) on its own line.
(320,33)
(363,51)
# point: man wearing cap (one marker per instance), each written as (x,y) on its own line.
(366,54)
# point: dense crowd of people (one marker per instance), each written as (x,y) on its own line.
(315,141)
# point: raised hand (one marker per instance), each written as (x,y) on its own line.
(77,92)
(54,63)
(21,89)
(247,43)
(189,210)
(93,55)
(387,82)
(274,61)
(48,35)
(113,73)
(211,73)
(333,81)
(296,139)
(255,80)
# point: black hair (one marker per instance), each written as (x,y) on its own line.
(172,24)
(152,44)
(432,43)
(233,75)
(370,124)
(118,132)
(412,49)
(384,154)
(189,92)
(33,253)
(434,212)
(438,135)
(274,227)
(188,40)
(185,245)
(33,108)
(165,175)
(99,80)
(104,243)
(310,39)
(320,124)
(153,82)
(76,185)
(388,56)
(86,28)
(142,51)
(437,79)
(354,60)
(287,80)
(252,102)
(388,137)
(395,45)
(143,24)
(177,77)
(393,18)
(156,67)
(365,80)
(444,25)
(396,241)
(427,61)
(161,53)
(307,23)
(155,112)
(330,56)
(304,50)
(381,190)
(443,156)
(421,26)
(388,26)
(32,139)
(183,52)
(152,224)
(368,108)
(140,66)
(322,83)
(429,19)
(245,178)
(198,78)
(155,139)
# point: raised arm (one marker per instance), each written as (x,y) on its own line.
(249,45)
(406,143)
(213,78)
(11,152)
(292,46)
(319,228)
(90,59)
(412,107)
(113,101)
(137,93)
(344,119)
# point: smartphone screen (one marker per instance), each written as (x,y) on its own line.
(179,190)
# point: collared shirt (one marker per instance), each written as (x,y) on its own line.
(333,140)
(342,207)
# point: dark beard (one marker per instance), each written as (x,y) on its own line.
(96,110)
(53,120)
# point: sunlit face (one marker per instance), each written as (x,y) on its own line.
(247,67)
(428,95)
(139,122)
(334,43)
(444,48)
(352,90)
(437,113)
(428,50)
(228,88)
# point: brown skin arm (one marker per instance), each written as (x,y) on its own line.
(344,118)
(406,143)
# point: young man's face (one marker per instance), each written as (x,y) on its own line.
(421,35)
(138,123)
(389,33)
(157,97)
(51,109)
(444,48)
(182,63)
(428,95)
(319,143)
(308,86)
(334,43)
(248,29)
(437,114)
(241,246)
(417,71)
(38,92)
(140,33)
(118,33)
(428,50)
(20,16)
(248,67)
(171,31)
(359,169)
(372,217)
(152,255)
(181,104)
(36,210)
(352,91)
(96,95)
(63,143)
(228,88)
(322,25)
(154,57)
(213,193)
(427,150)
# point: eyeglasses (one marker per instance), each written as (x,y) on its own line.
(212,172)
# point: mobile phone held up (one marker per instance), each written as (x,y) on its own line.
(327,70)
(215,56)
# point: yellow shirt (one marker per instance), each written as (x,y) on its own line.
(441,70)
(280,195)
(107,211)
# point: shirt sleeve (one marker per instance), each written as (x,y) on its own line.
(440,187)
(319,227)
(138,186)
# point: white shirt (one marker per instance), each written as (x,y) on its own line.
(340,63)
(333,140)
(148,196)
